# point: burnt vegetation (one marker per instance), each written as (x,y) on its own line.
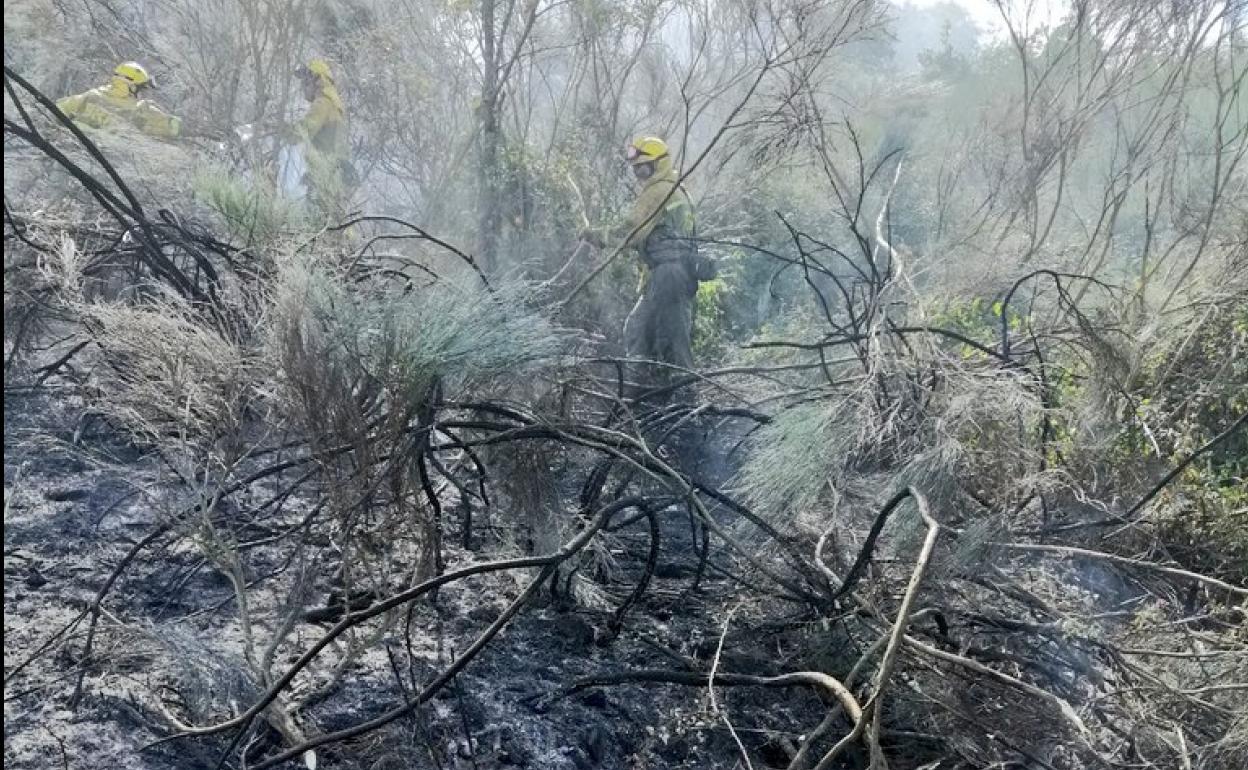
(959,481)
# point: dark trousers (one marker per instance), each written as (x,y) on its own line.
(660,327)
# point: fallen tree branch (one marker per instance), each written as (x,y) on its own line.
(899,627)
(1061,705)
(817,679)
(97,605)
(1084,553)
(710,688)
(873,709)
(546,562)
(868,545)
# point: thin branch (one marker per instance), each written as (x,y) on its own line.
(1084,553)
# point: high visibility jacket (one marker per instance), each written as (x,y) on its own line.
(324,135)
(324,126)
(112,105)
(661,222)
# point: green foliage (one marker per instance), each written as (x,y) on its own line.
(795,455)
(1190,384)
(458,335)
(978,319)
(536,194)
(1206,510)
(708,318)
(255,214)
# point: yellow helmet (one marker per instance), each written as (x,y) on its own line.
(134,74)
(318,68)
(646,149)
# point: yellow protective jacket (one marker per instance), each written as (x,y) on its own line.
(110,105)
(661,225)
(658,221)
(324,126)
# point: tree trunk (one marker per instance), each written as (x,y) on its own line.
(488,221)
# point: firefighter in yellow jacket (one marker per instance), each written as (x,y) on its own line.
(661,228)
(118,103)
(323,132)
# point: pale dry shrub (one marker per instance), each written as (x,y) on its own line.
(170,378)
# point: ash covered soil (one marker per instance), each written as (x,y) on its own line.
(167,646)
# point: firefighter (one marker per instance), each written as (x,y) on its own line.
(117,103)
(323,135)
(660,227)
